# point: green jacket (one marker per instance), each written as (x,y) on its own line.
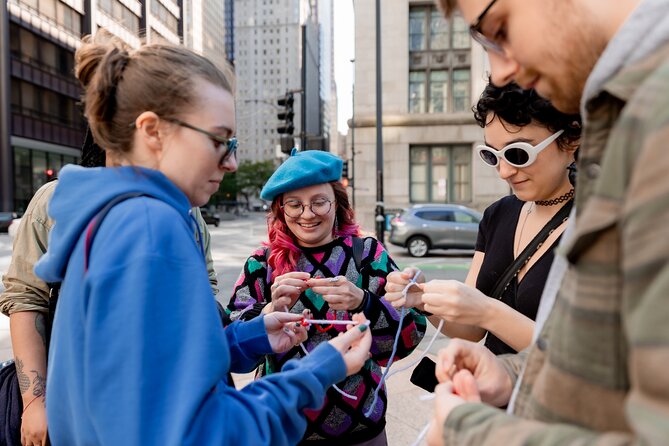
(26,292)
(597,373)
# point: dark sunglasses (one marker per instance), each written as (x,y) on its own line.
(518,154)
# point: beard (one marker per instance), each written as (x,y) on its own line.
(572,57)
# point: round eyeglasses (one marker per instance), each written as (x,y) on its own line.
(517,154)
(295,208)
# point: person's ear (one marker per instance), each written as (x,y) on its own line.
(147,126)
(572,147)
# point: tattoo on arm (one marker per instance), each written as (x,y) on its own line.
(40,326)
(24,380)
(39,384)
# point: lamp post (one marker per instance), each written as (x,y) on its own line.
(379,216)
(353,135)
(6,158)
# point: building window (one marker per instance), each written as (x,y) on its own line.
(439,62)
(440,174)
(165,16)
(121,14)
(32,169)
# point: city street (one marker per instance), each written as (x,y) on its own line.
(234,240)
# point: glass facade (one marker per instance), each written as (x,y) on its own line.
(32,169)
(440,174)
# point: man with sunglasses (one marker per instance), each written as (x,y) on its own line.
(596,372)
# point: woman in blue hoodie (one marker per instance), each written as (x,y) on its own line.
(139,353)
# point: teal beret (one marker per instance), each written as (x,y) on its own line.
(302,169)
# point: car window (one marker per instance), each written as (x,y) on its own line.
(463,217)
(435,215)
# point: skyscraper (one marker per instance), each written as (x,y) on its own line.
(269,56)
(44,127)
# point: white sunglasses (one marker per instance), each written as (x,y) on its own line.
(518,154)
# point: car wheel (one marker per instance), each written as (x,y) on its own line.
(216,224)
(418,246)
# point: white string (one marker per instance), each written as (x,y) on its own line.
(424,354)
(396,341)
(347,395)
(390,363)
(329,322)
(427,397)
(422,435)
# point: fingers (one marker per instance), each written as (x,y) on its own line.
(409,272)
(397,300)
(354,345)
(354,334)
(291,288)
(294,275)
(284,317)
(327,282)
(464,384)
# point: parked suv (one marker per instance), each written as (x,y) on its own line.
(209,218)
(435,226)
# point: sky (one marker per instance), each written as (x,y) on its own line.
(344,51)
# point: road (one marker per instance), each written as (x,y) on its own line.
(234,240)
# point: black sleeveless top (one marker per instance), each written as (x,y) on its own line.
(495,239)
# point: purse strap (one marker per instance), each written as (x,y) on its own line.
(512,270)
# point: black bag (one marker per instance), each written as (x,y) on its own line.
(11,406)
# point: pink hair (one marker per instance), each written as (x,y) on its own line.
(284,252)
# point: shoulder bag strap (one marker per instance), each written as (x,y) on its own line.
(512,271)
(91,230)
(358,247)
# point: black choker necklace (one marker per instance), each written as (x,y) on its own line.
(561,199)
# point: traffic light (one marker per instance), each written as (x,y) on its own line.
(344,170)
(286,115)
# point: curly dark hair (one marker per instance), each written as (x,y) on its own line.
(519,107)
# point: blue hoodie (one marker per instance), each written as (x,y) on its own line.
(138,355)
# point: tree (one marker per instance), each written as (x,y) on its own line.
(251,177)
(246,183)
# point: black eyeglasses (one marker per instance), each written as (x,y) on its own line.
(217,140)
(295,208)
(230,143)
(476,31)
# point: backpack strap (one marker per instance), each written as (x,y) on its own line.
(95,223)
(358,248)
(92,229)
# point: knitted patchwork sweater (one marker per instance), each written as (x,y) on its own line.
(341,420)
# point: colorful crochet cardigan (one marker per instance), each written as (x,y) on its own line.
(341,420)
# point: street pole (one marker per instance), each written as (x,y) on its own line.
(6,158)
(303,113)
(379,213)
(353,137)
